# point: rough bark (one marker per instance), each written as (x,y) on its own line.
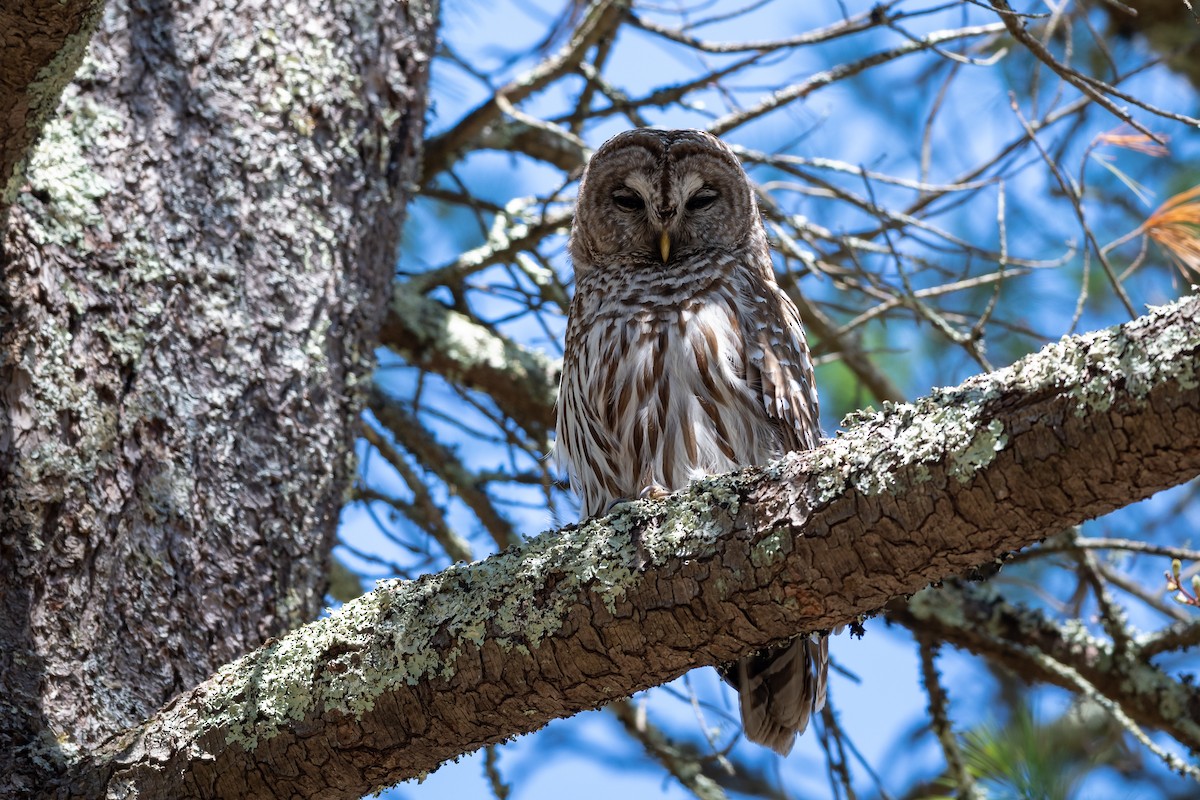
(192,278)
(415,673)
(41,45)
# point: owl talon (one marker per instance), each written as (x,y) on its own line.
(653,492)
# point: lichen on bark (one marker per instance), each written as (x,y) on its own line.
(194,272)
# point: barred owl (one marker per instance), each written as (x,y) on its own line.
(684,358)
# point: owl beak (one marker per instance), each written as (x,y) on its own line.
(664,245)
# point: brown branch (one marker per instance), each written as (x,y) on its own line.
(836,30)
(543,142)
(417,672)
(686,766)
(522,382)
(1088,86)
(939,717)
(41,47)
(976,619)
(600,20)
(797,91)
(507,238)
(442,461)
(1178,636)
(422,510)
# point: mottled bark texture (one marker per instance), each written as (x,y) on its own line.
(414,673)
(41,44)
(192,277)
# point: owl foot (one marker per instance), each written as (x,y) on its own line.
(615,505)
(653,492)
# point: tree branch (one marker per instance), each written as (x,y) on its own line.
(418,672)
(442,460)
(42,45)
(599,21)
(523,382)
(979,620)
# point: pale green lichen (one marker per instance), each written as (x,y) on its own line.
(948,611)
(1094,368)
(310,72)
(55,393)
(982,448)
(59,169)
(1137,677)
(894,449)
(873,456)
(513,600)
(43,93)
(771,548)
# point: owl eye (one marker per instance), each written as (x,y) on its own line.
(702,199)
(628,201)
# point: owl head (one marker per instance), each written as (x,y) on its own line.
(655,199)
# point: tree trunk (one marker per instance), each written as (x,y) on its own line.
(192,277)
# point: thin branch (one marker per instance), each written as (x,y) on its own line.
(1089,87)
(939,715)
(683,765)
(841,72)
(1072,194)
(599,21)
(440,460)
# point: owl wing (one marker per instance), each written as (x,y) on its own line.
(781,687)
(779,368)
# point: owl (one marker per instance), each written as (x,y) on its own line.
(684,358)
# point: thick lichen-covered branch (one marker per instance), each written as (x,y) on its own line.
(417,672)
(979,620)
(522,382)
(43,45)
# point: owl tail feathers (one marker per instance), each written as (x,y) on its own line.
(779,689)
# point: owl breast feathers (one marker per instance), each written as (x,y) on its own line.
(684,358)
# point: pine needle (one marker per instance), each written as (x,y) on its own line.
(1175,226)
(1137,142)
